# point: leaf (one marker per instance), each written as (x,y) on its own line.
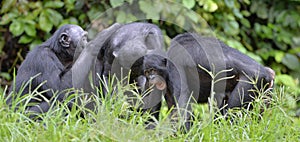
(229,3)
(189,3)
(254,6)
(54,4)
(16,27)
(234,25)
(5,75)
(296,40)
(73,20)
(281,17)
(35,5)
(210,6)
(267,32)
(255,57)
(245,22)
(25,39)
(180,20)
(237,13)
(116,3)
(279,56)
(193,16)
(129,1)
(130,18)
(44,22)
(246,13)
(8,18)
(294,50)
(262,11)
(7,5)
(121,17)
(94,13)
(291,61)
(285,80)
(54,16)
(150,11)
(35,43)
(30,29)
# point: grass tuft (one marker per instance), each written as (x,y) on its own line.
(117,120)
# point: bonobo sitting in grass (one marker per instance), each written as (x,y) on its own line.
(46,69)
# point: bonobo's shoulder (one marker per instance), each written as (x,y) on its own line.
(40,50)
(196,39)
(142,27)
(187,38)
(141,24)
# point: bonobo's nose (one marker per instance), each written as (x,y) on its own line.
(151,77)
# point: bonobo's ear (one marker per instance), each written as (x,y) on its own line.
(64,40)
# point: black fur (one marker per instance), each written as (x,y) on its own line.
(50,62)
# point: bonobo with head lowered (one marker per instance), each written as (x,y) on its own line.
(185,74)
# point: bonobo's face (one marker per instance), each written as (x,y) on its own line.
(154,68)
(154,78)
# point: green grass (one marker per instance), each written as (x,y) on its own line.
(115,120)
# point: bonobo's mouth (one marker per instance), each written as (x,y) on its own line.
(158,81)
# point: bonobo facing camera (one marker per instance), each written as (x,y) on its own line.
(186,71)
(46,69)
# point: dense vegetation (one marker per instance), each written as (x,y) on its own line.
(267,31)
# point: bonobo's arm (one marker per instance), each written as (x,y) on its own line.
(50,68)
(252,76)
(44,62)
(86,60)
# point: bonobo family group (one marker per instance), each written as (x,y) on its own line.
(194,68)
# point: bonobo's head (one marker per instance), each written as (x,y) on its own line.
(154,72)
(66,40)
(132,41)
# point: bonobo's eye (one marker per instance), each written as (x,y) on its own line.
(150,71)
(153,71)
(146,73)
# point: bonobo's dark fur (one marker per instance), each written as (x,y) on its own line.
(50,63)
(215,56)
(113,48)
(129,43)
(116,47)
(243,68)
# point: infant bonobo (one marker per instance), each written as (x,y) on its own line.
(183,86)
(46,69)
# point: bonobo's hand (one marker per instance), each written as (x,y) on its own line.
(93,47)
(272,77)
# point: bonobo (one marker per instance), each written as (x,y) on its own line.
(46,69)
(129,43)
(191,58)
(117,47)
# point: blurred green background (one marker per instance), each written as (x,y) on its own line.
(268,31)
